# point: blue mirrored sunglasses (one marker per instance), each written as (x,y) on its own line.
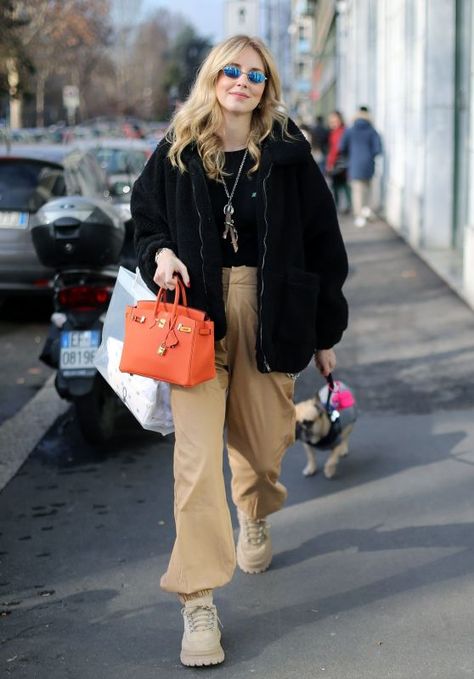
(234,72)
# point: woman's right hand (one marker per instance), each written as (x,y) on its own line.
(167,266)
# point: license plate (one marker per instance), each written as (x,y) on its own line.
(77,354)
(13,220)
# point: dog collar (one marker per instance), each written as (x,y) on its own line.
(334,431)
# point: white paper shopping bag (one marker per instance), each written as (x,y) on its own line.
(148,400)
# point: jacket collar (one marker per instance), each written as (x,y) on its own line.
(277,148)
(284,149)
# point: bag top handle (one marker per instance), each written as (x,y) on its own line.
(179,291)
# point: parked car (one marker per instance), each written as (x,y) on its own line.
(122,160)
(30,176)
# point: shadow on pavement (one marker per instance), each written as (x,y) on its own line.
(379,447)
(250,633)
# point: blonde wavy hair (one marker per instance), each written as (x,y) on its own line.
(200,117)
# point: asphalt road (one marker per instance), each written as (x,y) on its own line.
(24,322)
(372,574)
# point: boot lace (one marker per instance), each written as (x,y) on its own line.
(200,618)
(255,530)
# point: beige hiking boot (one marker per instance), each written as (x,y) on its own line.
(201,644)
(254,546)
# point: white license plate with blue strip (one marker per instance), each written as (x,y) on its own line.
(78,348)
(13,220)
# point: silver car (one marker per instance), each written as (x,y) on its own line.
(29,177)
(122,160)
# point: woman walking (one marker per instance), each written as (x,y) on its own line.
(336,163)
(233,202)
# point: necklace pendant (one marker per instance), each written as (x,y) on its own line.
(228,222)
(234,237)
(228,209)
(229,226)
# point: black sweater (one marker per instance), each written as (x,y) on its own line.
(302,262)
(245,212)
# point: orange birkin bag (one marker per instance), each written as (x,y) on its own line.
(168,342)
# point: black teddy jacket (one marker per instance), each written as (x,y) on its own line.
(302,259)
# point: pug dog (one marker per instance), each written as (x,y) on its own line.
(325,422)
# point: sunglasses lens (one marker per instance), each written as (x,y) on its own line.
(256,77)
(232,71)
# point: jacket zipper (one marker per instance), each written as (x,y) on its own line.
(201,250)
(265,362)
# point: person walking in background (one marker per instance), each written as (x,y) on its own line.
(319,142)
(336,162)
(233,201)
(361,144)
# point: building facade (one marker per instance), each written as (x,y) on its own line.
(276,18)
(301,30)
(325,57)
(268,19)
(412,63)
(241,17)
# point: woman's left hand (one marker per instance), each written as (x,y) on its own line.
(325,360)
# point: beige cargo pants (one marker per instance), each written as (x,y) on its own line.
(361,190)
(257,411)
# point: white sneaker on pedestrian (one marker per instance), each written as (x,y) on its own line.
(254,546)
(201,643)
(360,222)
(367,213)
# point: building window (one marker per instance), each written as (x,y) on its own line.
(242,17)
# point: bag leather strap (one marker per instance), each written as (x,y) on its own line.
(179,292)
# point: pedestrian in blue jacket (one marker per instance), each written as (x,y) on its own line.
(361,144)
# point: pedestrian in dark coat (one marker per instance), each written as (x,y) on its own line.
(319,142)
(361,143)
(233,201)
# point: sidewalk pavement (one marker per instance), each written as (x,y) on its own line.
(372,574)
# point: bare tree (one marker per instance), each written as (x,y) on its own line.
(70,43)
(51,37)
(14,60)
(142,67)
(120,62)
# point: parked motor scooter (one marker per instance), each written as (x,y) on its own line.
(82,240)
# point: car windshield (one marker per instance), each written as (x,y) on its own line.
(121,161)
(26,185)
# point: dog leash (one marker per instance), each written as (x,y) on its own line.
(330,381)
(334,417)
(331,410)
